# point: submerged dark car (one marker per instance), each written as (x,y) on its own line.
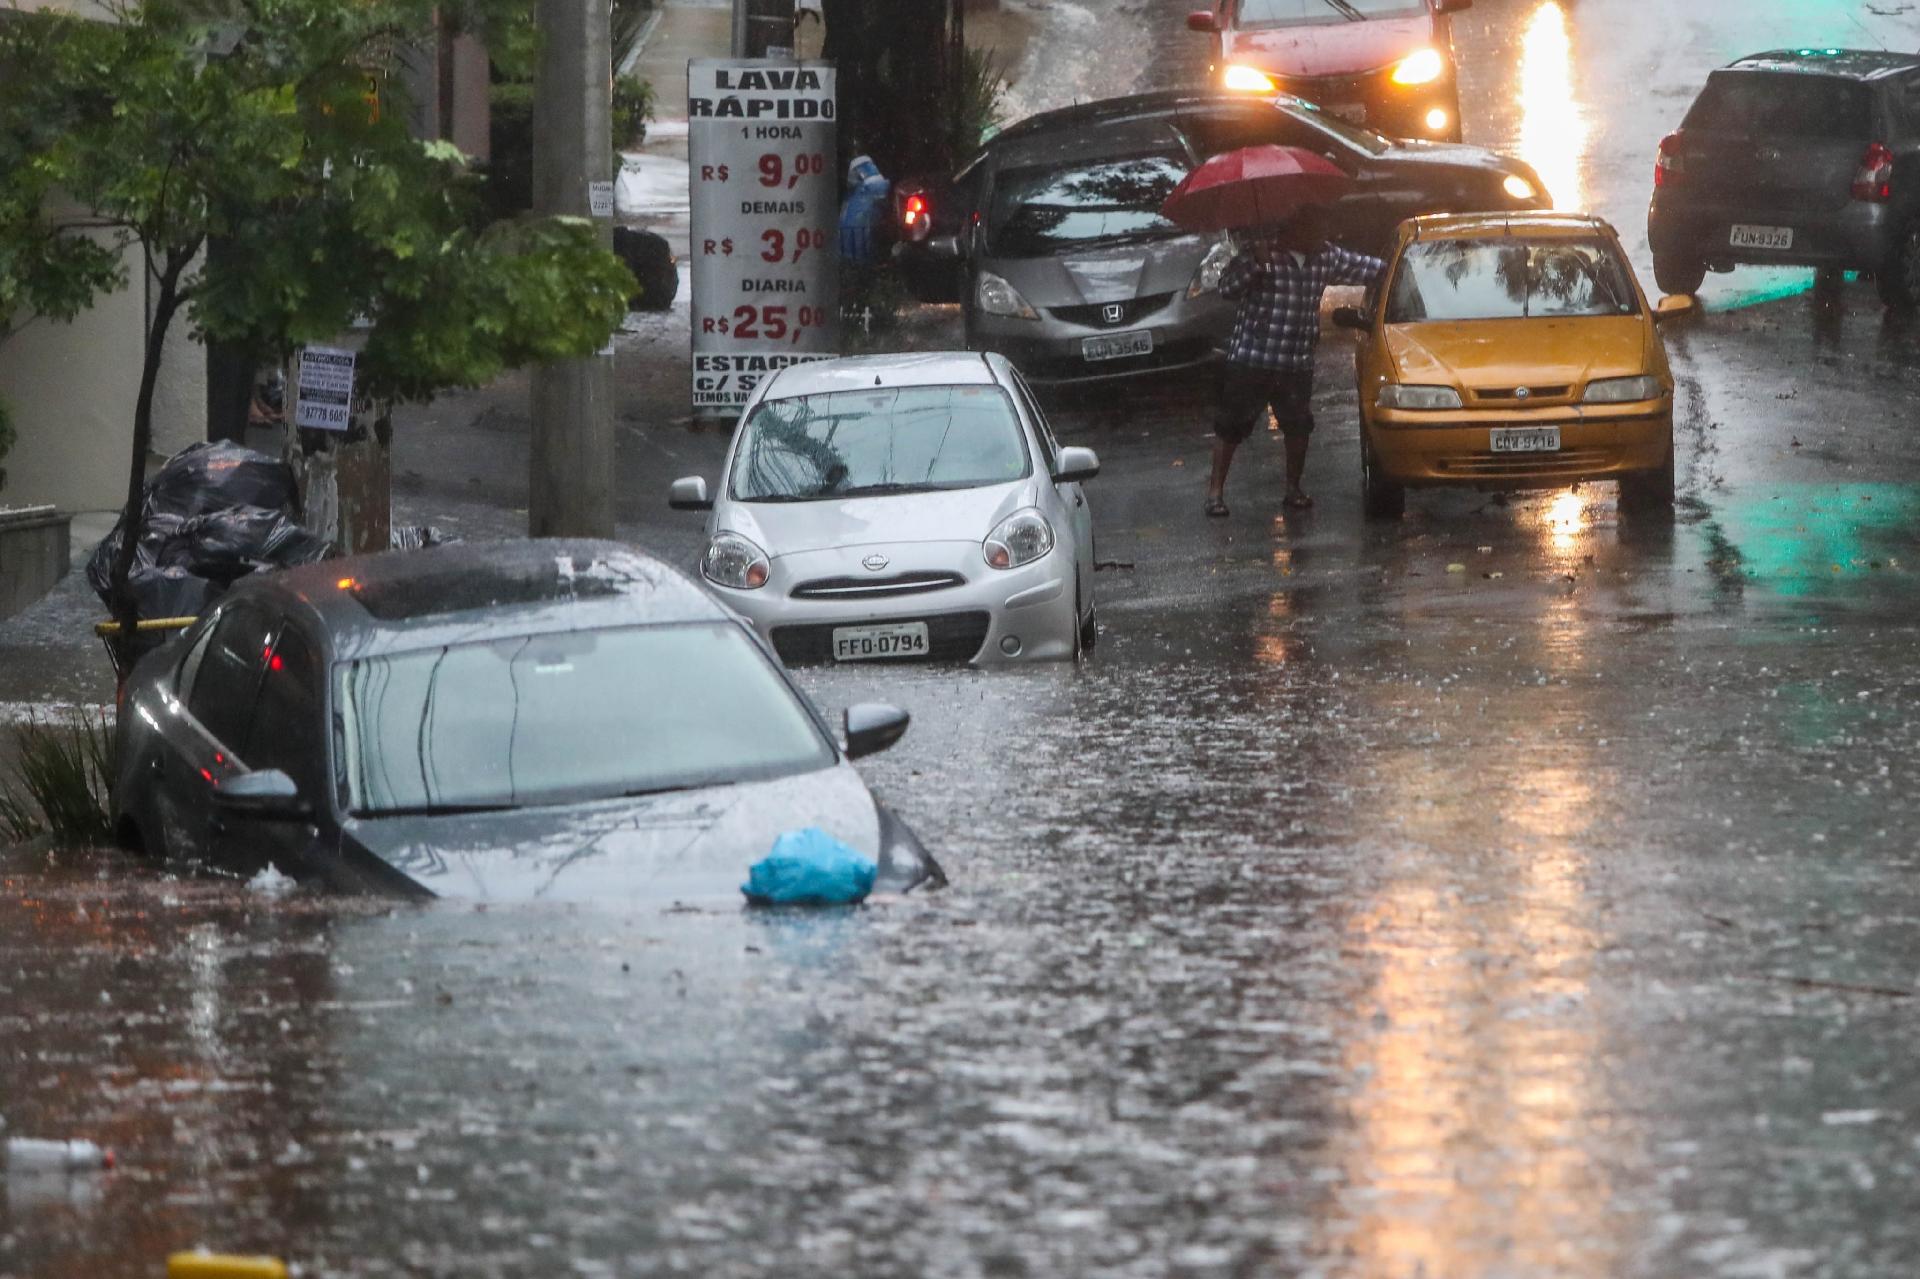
(561,720)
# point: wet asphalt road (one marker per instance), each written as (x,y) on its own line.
(1517,890)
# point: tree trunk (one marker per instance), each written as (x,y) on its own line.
(126,610)
(345,481)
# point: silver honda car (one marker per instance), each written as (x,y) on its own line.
(902,508)
(1076,276)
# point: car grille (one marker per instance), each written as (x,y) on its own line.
(951,637)
(1568,462)
(1506,394)
(1095,316)
(868,588)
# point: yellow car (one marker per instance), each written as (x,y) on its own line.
(1512,351)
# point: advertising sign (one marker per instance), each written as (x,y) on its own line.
(765,208)
(323,389)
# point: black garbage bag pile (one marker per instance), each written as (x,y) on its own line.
(213,514)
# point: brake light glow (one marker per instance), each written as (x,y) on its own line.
(1874,179)
(1242,79)
(1670,164)
(915,210)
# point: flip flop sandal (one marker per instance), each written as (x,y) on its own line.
(1216,508)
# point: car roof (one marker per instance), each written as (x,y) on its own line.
(1459,226)
(1162,103)
(858,372)
(1095,139)
(475,591)
(1851,64)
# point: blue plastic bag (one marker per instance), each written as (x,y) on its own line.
(810,868)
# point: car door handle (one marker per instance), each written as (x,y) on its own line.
(1079,499)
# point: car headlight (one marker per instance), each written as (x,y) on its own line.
(1212,267)
(996,297)
(731,560)
(1248,80)
(1622,390)
(1423,67)
(1395,396)
(1021,538)
(1518,187)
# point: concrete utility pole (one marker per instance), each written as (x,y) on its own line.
(571,476)
(760,25)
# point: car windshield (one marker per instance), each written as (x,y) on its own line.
(1304,13)
(551,719)
(885,440)
(1043,208)
(1508,277)
(1783,105)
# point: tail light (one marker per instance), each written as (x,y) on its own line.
(1670,164)
(1874,179)
(916,215)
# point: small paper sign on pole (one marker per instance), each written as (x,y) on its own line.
(600,199)
(323,391)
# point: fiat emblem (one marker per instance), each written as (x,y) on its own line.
(1113,313)
(1522,393)
(874,563)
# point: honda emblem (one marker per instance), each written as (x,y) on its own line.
(874,563)
(1113,313)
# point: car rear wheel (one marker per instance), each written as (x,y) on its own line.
(1380,498)
(1649,490)
(1678,276)
(1899,277)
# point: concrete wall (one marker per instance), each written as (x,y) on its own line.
(72,387)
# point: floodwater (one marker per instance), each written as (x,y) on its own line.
(1515,890)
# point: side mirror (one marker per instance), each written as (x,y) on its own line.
(943,248)
(1353,317)
(1076,464)
(689,493)
(872,727)
(265,793)
(1673,306)
(1451,6)
(1203,21)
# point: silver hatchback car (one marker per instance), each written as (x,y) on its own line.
(1076,276)
(902,508)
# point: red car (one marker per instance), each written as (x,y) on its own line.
(1387,64)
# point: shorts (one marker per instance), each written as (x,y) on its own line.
(1247,393)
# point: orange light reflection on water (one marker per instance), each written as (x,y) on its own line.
(1553,133)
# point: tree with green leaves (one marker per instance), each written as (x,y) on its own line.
(273,128)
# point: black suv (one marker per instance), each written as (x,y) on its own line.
(1800,157)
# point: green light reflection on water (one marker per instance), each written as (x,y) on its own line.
(1804,539)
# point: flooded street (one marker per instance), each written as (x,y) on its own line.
(1518,889)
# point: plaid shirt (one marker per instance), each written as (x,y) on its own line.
(1278,323)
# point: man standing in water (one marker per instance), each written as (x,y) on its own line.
(1278,277)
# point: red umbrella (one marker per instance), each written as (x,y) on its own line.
(1253,186)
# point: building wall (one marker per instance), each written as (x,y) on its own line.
(72,388)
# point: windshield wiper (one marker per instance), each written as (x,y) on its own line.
(645,791)
(878,490)
(437,810)
(1346,10)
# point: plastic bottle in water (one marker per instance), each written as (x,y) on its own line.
(28,1154)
